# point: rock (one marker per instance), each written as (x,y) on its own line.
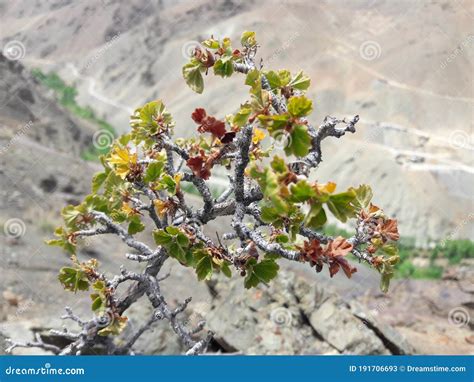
(11,298)
(294,317)
(342,330)
(3,344)
(392,339)
(159,340)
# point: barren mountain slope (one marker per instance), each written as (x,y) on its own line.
(28,110)
(405,67)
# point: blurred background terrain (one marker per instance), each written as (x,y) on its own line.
(71,72)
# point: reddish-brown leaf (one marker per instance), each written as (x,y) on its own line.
(206,58)
(214,126)
(338,247)
(346,266)
(333,268)
(338,262)
(198,115)
(312,250)
(228,137)
(389,229)
(209,124)
(199,166)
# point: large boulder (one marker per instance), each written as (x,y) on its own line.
(293,317)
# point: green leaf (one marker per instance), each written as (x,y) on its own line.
(172,230)
(266,270)
(248,38)
(98,180)
(211,43)
(302,191)
(167,182)
(193,77)
(300,106)
(224,67)
(282,239)
(363,196)
(340,205)
(273,79)
(96,302)
(263,271)
(148,115)
(251,280)
(242,116)
(300,141)
(268,213)
(62,240)
(182,240)
(226,270)
(204,268)
(278,165)
(135,226)
(73,279)
(284,76)
(176,251)
(316,216)
(162,238)
(385,282)
(153,171)
(274,122)
(115,328)
(252,78)
(70,214)
(389,249)
(300,81)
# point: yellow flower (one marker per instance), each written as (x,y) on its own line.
(161,207)
(327,188)
(258,135)
(121,158)
(129,211)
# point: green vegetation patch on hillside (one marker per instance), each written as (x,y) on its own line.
(66,96)
(452,250)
